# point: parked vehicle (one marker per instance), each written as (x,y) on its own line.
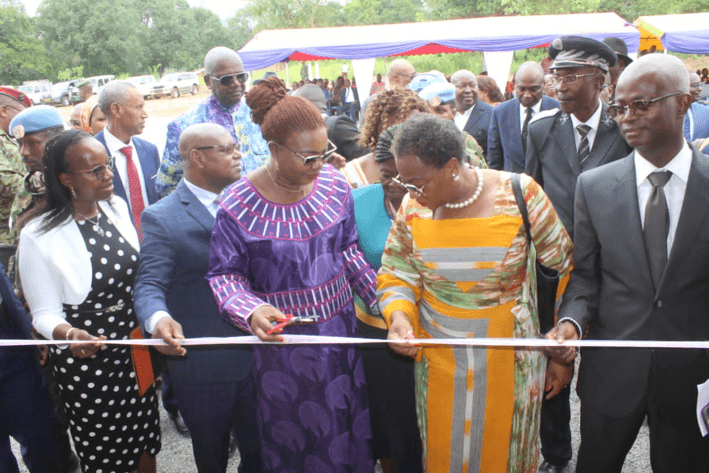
(65,93)
(38,91)
(99,81)
(145,84)
(177,83)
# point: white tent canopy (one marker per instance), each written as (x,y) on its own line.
(489,35)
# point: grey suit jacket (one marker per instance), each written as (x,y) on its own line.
(552,158)
(611,290)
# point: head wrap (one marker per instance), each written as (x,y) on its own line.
(384,143)
(87,108)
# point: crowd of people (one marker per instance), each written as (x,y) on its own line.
(281,211)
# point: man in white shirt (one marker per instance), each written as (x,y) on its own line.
(136,161)
(173,301)
(472,114)
(641,274)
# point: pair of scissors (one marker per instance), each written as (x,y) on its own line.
(290,319)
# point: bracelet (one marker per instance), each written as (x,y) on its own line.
(69,331)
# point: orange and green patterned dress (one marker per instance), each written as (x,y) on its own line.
(478,408)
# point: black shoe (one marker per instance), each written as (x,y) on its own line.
(232,446)
(177,421)
(547,467)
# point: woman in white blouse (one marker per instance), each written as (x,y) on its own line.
(78,257)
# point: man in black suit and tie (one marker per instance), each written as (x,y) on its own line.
(641,273)
(173,300)
(472,114)
(560,145)
(507,135)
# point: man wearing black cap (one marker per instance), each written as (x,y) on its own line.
(560,145)
(621,51)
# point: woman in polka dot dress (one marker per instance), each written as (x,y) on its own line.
(78,260)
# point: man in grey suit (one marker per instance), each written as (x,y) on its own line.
(173,301)
(560,145)
(641,273)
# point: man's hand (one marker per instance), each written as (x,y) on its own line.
(169,331)
(401,329)
(558,376)
(260,323)
(560,333)
(337,160)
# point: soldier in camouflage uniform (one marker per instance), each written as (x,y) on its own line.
(12,170)
(32,128)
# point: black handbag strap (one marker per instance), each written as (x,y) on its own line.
(521,204)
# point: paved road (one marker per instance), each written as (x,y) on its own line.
(176,454)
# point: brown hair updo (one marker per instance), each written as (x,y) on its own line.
(388,108)
(279,114)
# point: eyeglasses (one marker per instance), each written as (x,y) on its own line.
(226,149)
(697,85)
(98,171)
(410,76)
(226,81)
(410,187)
(73,123)
(636,106)
(569,79)
(309,160)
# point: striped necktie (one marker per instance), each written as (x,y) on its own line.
(584,150)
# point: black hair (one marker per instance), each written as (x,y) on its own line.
(58,206)
(432,139)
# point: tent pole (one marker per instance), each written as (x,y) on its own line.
(287,74)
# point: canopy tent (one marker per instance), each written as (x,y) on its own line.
(496,37)
(682,33)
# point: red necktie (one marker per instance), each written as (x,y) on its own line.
(137,205)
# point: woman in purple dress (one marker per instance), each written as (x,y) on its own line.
(285,242)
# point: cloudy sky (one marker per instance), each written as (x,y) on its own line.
(221,8)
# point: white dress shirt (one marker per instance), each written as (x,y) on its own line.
(536,108)
(674,189)
(209,200)
(462,118)
(593,122)
(690,115)
(114,146)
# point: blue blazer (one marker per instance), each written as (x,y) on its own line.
(701,122)
(479,122)
(14,324)
(504,137)
(149,159)
(174,258)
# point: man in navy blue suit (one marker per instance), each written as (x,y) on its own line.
(173,300)
(507,135)
(136,160)
(696,120)
(472,114)
(26,413)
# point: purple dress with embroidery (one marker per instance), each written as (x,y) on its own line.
(303,259)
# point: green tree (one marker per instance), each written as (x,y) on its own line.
(372,12)
(22,56)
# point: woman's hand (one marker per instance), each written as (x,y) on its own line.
(260,323)
(401,329)
(84,350)
(558,376)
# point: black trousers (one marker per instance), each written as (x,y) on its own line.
(554,429)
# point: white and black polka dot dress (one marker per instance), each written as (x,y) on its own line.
(111,424)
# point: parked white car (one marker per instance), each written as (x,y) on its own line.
(177,83)
(38,93)
(145,84)
(99,81)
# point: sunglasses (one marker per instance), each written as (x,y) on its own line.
(636,106)
(226,149)
(98,171)
(569,79)
(309,160)
(226,81)
(410,187)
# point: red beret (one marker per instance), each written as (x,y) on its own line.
(17,95)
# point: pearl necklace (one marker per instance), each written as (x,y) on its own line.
(475,196)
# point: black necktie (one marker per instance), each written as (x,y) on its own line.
(584,150)
(525,125)
(657,225)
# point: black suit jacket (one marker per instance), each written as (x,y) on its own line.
(611,289)
(479,122)
(552,158)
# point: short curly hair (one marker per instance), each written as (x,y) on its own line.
(388,108)
(432,139)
